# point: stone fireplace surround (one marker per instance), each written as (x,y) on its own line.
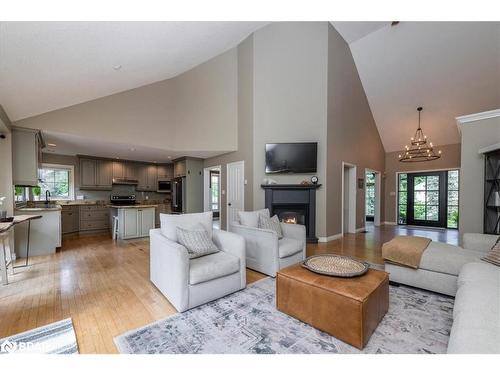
(294,202)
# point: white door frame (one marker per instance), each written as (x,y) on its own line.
(351,225)
(242,162)
(206,190)
(378,184)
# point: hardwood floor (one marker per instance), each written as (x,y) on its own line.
(104,285)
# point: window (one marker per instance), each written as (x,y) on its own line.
(214,190)
(452,199)
(402,197)
(58,180)
(370,194)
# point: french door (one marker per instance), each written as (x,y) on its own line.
(427,199)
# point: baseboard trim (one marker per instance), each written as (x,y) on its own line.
(389,223)
(360,229)
(330,238)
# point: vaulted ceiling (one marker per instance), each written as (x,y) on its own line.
(449,68)
(51,65)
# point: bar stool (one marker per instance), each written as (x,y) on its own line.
(115,227)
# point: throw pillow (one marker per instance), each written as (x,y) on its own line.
(197,241)
(493,256)
(272,223)
(251,218)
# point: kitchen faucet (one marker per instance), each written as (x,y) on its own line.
(47,197)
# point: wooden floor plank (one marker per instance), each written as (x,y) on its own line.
(104,285)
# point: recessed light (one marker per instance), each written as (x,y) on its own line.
(132,149)
(51,144)
(169,157)
(117,157)
(117,67)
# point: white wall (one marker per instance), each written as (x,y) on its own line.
(290,99)
(475,135)
(6,188)
(196,110)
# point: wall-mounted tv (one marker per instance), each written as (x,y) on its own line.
(291,157)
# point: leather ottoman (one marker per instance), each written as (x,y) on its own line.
(348,308)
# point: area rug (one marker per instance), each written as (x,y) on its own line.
(55,338)
(248,322)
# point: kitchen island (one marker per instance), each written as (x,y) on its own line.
(135,220)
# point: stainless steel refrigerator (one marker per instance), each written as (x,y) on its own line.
(178,194)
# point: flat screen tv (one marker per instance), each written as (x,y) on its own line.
(291,157)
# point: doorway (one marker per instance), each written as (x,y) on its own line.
(428,198)
(348,198)
(372,196)
(212,192)
(235,191)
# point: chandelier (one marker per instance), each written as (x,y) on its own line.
(419,150)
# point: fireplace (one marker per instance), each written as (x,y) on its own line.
(294,204)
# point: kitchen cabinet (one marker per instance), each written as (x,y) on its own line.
(165,171)
(104,173)
(88,169)
(162,208)
(119,170)
(70,219)
(135,222)
(147,178)
(180,168)
(25,156)
(94,218)
(131,171)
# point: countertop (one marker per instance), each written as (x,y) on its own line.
(5,226)
(133,206)
(82,203)
(39,209)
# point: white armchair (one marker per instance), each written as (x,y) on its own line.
(188,283)
(268,254)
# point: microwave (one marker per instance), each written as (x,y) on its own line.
(164,186)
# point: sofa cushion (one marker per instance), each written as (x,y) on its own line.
(445,258)
(289,246)
(251,218)
(169,223)
(196,241)
(272,223)
(212,267)
(479,273)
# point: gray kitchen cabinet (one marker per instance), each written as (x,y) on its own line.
(25,156)
(165,171)
(70,219)
(119,170)
(131,170)
(194,185)
(94,218)
(180,168)
(104,173)
(162,208)
(147,178)
(88,173)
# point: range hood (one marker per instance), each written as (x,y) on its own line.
(124,181)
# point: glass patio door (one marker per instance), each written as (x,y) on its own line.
(427,199)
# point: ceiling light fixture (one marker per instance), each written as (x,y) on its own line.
(132,149)
(419,149)
(117,67)
(51,144)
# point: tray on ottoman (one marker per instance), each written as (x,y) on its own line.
(348,308)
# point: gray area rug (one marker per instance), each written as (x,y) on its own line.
(248,322)
(55,338)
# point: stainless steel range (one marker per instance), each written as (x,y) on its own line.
(124,200)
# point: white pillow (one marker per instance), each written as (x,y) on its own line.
(196,241)
(169,223)
(272,223)
(251,218)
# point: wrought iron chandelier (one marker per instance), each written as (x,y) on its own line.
(419,150)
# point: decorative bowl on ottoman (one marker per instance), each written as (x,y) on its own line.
(335,265)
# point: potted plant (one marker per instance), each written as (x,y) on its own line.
(37,190)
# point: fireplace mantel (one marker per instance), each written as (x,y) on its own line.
(300,197)
(291,186)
